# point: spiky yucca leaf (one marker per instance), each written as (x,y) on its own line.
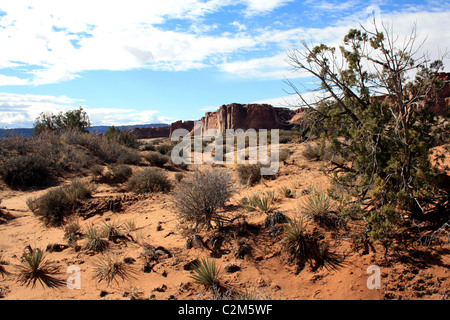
(110,268)
(206,273)
(34,267)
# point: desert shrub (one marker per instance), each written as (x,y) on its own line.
(78,189)
(206,273)
(149,180)
(156,158)
(35,268)
(199,195)
(56,204)
(110,268)
(125,138)
(249,174)
(94,241)
(179,176)
(72,233)
(312,152)
(70,120)
(119,173)
(24,171)
(148,147)
(164,149)
(97,170)
(52,207)
(283,155)
(128,156)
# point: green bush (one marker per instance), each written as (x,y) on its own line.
(149,180)
(24,171)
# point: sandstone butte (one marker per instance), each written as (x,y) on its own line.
(262,116)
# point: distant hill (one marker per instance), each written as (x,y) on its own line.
(28,132)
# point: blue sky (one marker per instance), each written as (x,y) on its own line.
(152,61)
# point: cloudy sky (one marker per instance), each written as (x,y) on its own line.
(150,61)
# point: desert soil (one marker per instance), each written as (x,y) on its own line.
(419,273)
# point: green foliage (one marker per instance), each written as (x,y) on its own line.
(56,204)
(124,138)
(379,147)
(70,120)
(263,202)
(94,241)
(35,268)
(24,171)
(206,273)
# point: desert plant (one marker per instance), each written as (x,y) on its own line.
(110,230)
(283,155)
(79,189)
(156,158)
(97,170)
(129,226)
(319,207)
(249,174)
(24,171)
(52,207)
(70,120)
(179,176)
(34,267)
(149,180)
(72,233)
(118,173)
(110,268)
(94,241)
(164,149)
(312,151)
(206,273)
(199,196)
(297,242)
(263,202)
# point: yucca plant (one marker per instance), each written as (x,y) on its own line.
(319,207)
(110,268)
(110,230)
(35,268)
(206,273)
(297,242)
(263,202)
(285,192)
(94,241)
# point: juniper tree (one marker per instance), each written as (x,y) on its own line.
(376,120)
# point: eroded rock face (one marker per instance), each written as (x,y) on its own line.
(154,132)
(249,116)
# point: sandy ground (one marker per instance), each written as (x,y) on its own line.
(265,271)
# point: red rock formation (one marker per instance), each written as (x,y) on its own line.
(153,132)
(249,116)
(188,125)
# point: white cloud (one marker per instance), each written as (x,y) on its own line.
(20,110)
(12,80)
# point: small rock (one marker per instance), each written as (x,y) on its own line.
(103,293)
(231,267)
(161,288)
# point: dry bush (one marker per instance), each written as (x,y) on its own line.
(249,174)
(199,195)
(156,158)
(110,268)
(149,180)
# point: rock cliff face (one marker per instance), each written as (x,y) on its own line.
(249,116)
(154,132)
(188,125)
